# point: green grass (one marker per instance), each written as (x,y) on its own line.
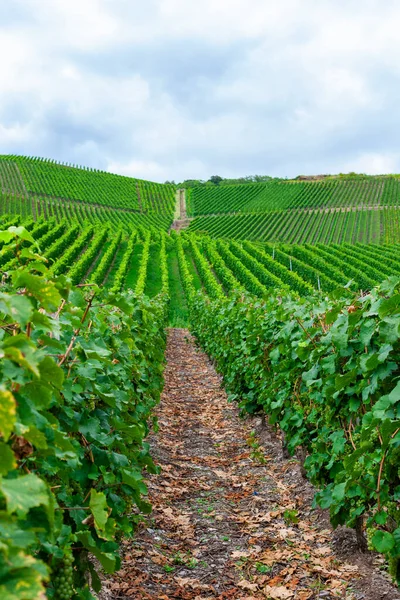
(96,262)
(153,281)
(178,309)
(192,270)
(132,276)
(121,250)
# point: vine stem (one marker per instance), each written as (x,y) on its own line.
(71,364)
(324,327)
(76,332)
(378,487)
(351,437)
(87,446)
(306,332)
(72,508)
(60,309)
(9,326)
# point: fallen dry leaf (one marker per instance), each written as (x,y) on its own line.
(213,505)
(222,474)
(278,592)
(246,585)
(240,554)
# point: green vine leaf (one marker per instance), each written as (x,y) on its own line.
(99,509)
(18,308)
(383,541)
(24,493)
(7,459)
(8,413)
(23,578)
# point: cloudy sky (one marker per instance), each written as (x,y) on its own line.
(176,89)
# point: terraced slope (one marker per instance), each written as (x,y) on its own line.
(220,267)
(359,224)
(151,261)
(41,187)
(333,210)
(282,195)
(96,253)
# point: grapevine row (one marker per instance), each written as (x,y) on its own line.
(305,226)
(141,281)
(99,274)
(124,265)
(75,411)
(323,370)
(278,195)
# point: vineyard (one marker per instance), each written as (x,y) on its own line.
(38,187)
(261,197)
(311,226)
(330,211)
(291,288)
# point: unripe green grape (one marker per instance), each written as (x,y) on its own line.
(370,532)
(63,580)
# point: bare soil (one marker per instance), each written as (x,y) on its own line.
(232,519)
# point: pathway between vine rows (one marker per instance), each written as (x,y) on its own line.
(226,522)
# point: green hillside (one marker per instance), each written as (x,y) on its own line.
(261,197)
(332,210)
(31,186)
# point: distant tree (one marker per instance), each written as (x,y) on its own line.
(215,179)
(191,183)
(259,178)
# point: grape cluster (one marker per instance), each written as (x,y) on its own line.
(62,579)
(370,532)
(394,568)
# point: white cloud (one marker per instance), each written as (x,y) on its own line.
(278,88)
(85,25)
(344,88)
(225,21)
(15,134)
(152,170)
(140,169)
(373,163)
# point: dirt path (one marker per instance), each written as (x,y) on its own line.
(312,210)
(231,518)
(182,193)
(177,213)
(181,220)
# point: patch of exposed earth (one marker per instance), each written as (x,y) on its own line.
(232,519)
